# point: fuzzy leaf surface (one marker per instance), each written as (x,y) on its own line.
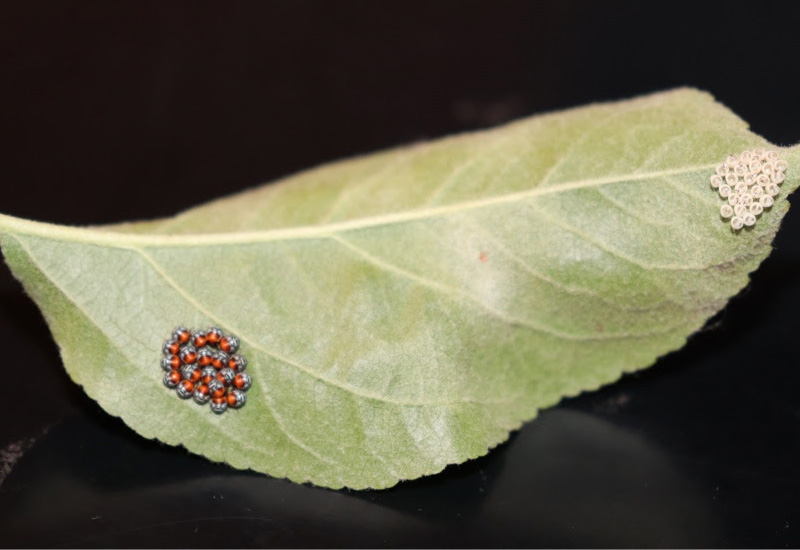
(406,310)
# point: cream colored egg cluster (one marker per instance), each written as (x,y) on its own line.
(749,181)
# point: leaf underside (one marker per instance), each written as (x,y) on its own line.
(406,310)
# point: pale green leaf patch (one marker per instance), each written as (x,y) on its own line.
(406,310)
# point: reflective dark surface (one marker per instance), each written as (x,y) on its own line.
(123,111)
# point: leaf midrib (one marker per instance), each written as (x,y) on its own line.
(104,237)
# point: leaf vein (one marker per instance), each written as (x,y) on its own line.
(706,198)
(454,292)
(123,350)
(186,296)
(125,240)
(301,367)
(497,244)
(605,247)
(625,209)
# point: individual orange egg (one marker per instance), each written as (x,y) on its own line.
(242,381)
(181,334)
(199,339)
(213,335)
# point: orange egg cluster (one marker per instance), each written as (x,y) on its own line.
(205,365)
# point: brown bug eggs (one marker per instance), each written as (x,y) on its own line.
(206,365)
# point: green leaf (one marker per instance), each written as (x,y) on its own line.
(405,310)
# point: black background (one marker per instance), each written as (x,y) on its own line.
(118,111)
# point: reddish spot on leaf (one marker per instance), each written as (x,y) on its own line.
(598,327)
(483,257)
